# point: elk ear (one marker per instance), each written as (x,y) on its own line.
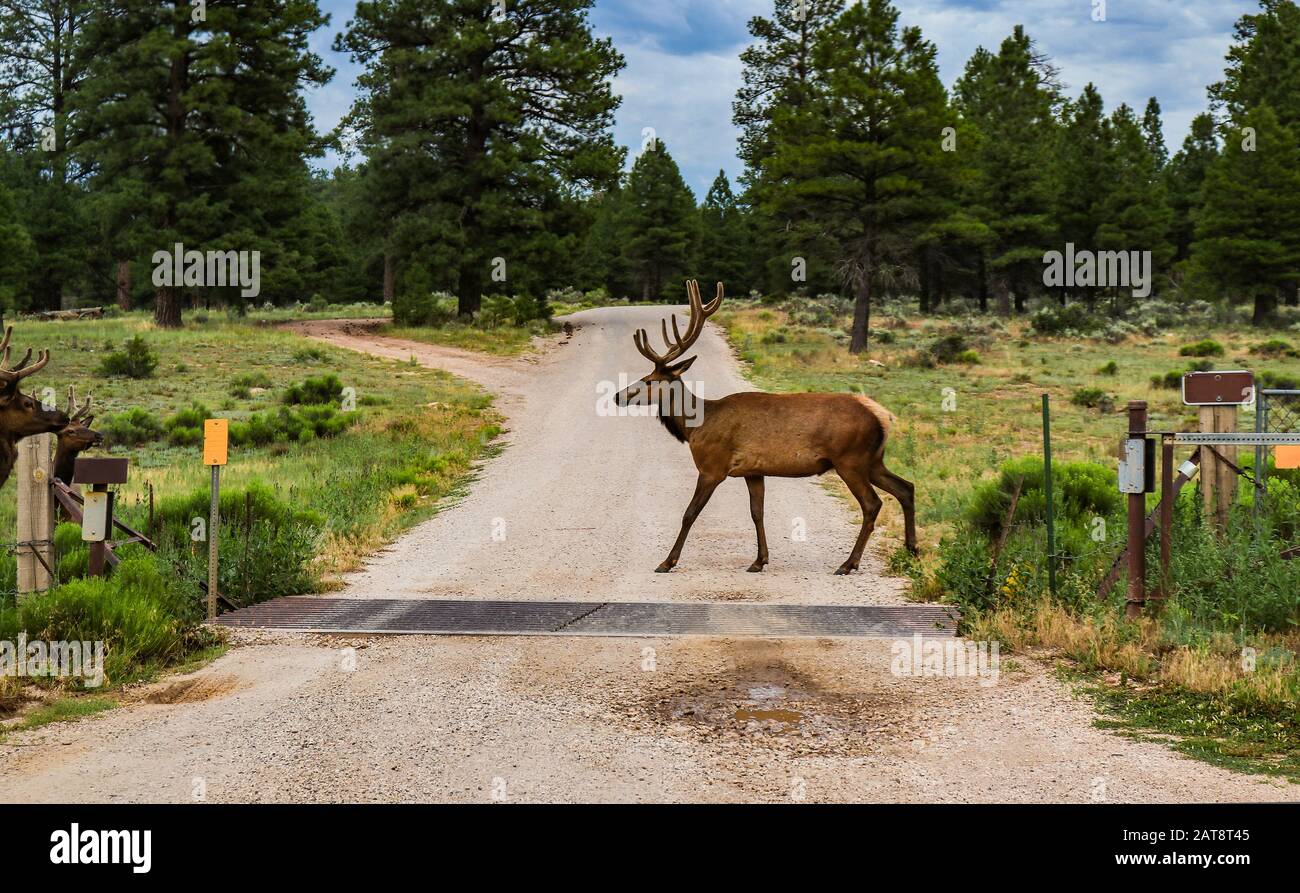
(679,368)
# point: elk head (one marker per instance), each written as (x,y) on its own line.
(78,436)
(668,368)
(20,414)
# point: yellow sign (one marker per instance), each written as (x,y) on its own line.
(1287,456)
(216,434)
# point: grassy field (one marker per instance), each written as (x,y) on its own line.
(409,416)
(994,410)
(967,394)
(313,506)
(502,341)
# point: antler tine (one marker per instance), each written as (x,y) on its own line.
(24,370)
(642,342)
(712,307)
(72,402)
(27,356)
(4,345)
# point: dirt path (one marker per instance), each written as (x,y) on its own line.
(582,505)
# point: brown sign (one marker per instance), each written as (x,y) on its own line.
(99,471)
(1218,388)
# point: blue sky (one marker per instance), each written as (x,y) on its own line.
(683,66)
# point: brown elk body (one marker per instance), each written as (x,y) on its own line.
(757,435)
(20,414)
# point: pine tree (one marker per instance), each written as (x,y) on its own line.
(1136,212)
(473,118)
(1083,174)
(1009,100)
(196,124)
(17,253)
(1153,131)
(1262,68)
(864,160)
(43,63)
(778,73)
(1248,235)
(724,239)
(659,222)
(1184,178)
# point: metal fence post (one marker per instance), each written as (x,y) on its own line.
(1047,488)
(1137,521)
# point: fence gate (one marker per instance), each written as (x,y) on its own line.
(1278,413)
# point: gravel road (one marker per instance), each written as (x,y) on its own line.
(583,505)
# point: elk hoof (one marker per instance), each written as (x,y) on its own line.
(845,568)
(756,567)
(663,568)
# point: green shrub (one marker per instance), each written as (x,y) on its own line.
(185,428)
(322,389)
(949,349)
(129,428)
(1274,347)
(136,612)
(135,360)
(267,544)
(968,357)
(289,425)
(242,385)
(310,355)
(1053,320)
(1091,398)
(1081,490)
(1111,368)
(1204,348)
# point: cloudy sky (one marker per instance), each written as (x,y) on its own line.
(683,66)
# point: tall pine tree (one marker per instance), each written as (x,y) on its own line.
(659,222)
(473,118)
(194,121)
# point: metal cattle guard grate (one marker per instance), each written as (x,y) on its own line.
(462,617)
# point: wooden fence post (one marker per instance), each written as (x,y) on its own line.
(1218,480)
(35,538)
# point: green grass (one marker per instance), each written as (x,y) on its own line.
(501,340)
(418,427)
(1242,737)
(997,413)
(957,426)
(62,708)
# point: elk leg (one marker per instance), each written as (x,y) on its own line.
(704,488)
(902,490)
(870,503)
(755,485)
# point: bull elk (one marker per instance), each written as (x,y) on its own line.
(754,435)
(75,437)
(20,414)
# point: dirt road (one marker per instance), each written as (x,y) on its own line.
(581,505)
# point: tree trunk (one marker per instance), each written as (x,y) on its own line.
(167,308)
(124,284)
(984,286)
(1265,305)
(861,314)
(469,294)
(925,281)
(390,278)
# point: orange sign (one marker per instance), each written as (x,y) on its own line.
(216,435)
(1286,456)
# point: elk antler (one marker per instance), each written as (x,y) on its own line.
(9,377)
(79,413)
(679,344)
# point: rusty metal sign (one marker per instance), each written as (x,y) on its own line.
(1226,388)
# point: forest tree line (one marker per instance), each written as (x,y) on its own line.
(481,161)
